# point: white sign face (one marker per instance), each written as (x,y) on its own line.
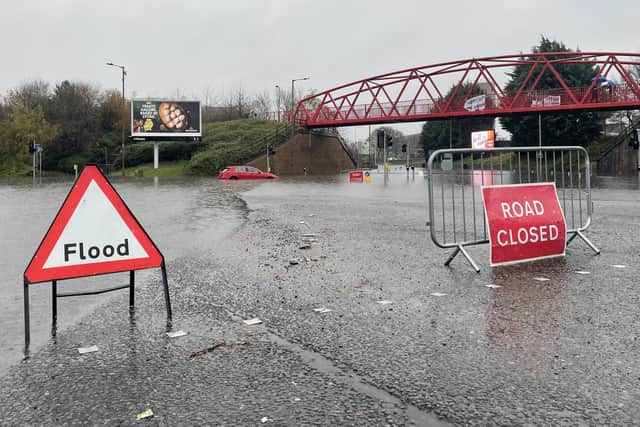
(95,233)
(482,139)
(546,100)
(477,103)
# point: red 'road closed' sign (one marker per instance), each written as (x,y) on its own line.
(355,176)
(525,222)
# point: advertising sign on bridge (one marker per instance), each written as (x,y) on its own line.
(525,222)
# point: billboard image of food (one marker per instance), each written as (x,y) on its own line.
(165,118)
(483,139)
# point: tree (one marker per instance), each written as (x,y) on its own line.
(74,107)
(440,133)
(23,126)
(29,95)
(110,112)
(261,106)
(557,129)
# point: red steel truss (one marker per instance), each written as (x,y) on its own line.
(419,94)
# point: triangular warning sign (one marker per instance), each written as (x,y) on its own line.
(93,233)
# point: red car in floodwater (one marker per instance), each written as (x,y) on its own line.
(244,172)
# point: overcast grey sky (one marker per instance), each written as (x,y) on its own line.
(192,46)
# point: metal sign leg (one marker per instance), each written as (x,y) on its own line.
(54,307)
(165,284)
(132,280)
(27,333)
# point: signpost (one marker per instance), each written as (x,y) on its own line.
(525,222)
(94,233)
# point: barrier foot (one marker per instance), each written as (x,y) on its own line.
(452,256)
(470,260)
(584,239)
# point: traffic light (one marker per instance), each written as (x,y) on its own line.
(404,148)
(389,140)
(380,139)
(271,150)
(32,148)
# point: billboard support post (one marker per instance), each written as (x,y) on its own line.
(156,154)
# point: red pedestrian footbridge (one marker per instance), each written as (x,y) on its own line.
(472,87)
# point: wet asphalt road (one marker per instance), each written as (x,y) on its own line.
(560,352)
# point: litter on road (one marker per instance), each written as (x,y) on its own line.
(385,302)
(541,279)
(252,321)
(582,272)
(322,310)
(305,247)
(493,286)
(437,294)
(85,350)
(206,350)
(265,420)
(176,334)
(293,262)
(308,235)
(144,414)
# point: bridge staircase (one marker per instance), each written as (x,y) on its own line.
(620,159)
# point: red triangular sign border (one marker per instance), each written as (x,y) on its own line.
(35,272)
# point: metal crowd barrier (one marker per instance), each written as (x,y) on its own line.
(455,177)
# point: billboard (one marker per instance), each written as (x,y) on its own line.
(483,139)
(165,119)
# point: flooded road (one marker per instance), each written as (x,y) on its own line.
(401,340)
(183,217)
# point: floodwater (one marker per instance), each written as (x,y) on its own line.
(447,338)
(181,216)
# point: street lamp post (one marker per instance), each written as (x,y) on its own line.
(124,106)
(292,96)
(278,100)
